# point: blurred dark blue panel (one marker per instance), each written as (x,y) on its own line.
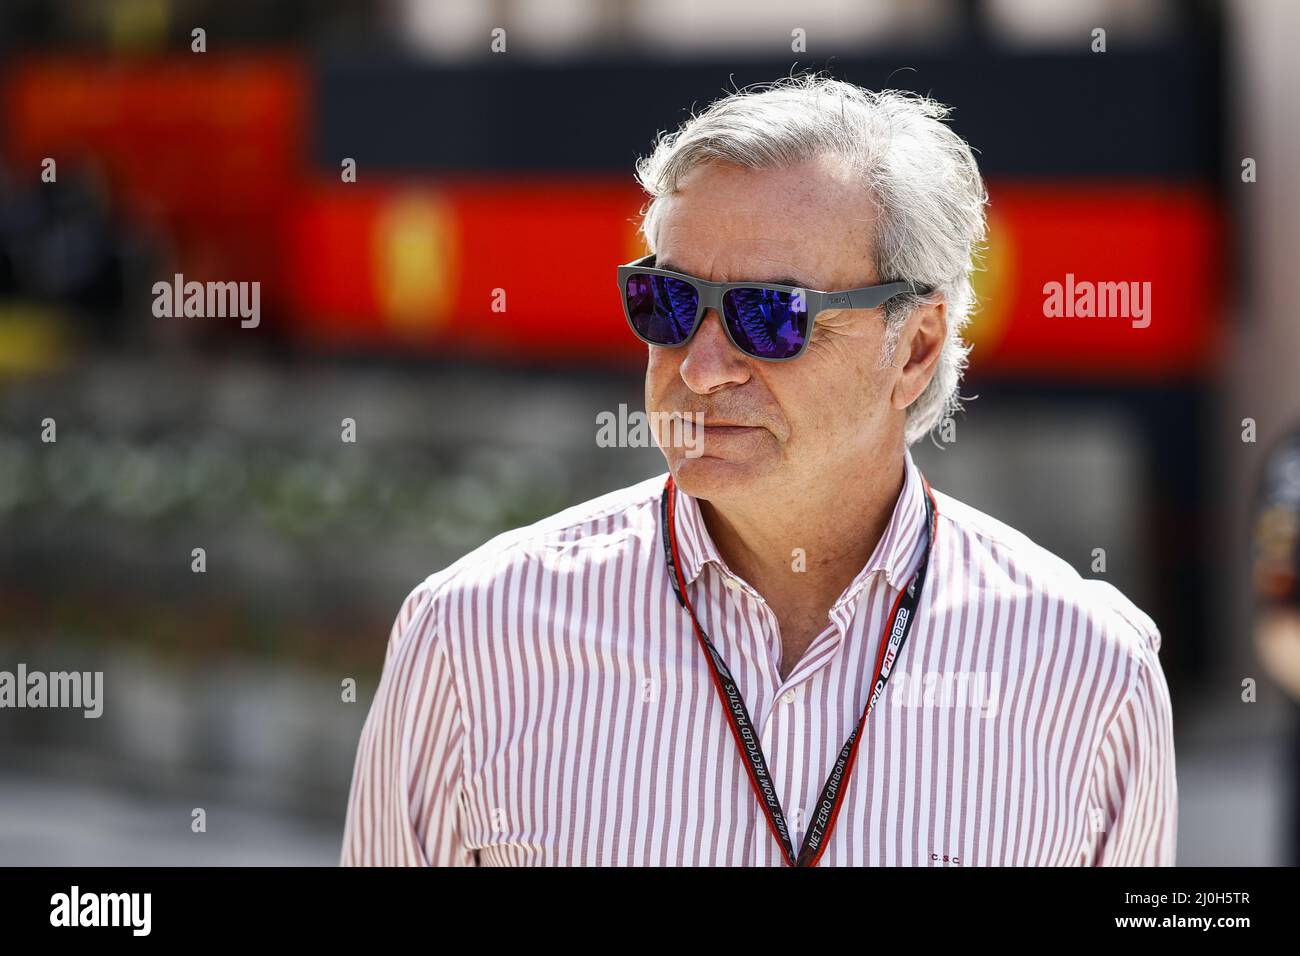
(1153,112)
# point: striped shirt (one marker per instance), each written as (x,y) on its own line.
(544,702)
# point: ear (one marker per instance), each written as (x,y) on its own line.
(920,342)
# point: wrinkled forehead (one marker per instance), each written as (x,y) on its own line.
(808,225)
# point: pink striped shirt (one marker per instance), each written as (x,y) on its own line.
(544,701)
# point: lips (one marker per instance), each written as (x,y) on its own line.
(718,427)
(695,418)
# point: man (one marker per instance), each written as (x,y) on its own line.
(769,657)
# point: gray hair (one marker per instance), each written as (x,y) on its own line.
(921,175)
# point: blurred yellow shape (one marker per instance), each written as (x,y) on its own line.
(32,339)
(414,257)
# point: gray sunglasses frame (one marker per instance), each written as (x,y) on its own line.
(710,297)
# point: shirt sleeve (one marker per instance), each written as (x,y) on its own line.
(1134,796)
(405,806)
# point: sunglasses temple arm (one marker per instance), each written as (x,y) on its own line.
(877,296)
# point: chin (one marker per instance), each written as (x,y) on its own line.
(715,479)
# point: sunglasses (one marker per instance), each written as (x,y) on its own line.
(762,319)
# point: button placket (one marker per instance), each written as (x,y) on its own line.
(728,643)
(778,751)
(766,846)
(766,849)
(789,718)
(757,699)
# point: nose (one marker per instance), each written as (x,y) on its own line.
(712,362)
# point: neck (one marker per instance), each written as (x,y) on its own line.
(835,523)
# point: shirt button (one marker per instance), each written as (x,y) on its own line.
(733,584)
(789,696)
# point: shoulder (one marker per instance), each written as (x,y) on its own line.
(567,544)
(1003,557)
(1114,645)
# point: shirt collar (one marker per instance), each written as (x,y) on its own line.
(896,553)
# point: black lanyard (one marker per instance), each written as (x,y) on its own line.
(742,728)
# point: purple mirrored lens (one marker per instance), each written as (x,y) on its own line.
(767,323)
(662,308)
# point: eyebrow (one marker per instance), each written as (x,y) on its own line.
(795,283)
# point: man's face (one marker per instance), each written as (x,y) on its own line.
(812,226)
